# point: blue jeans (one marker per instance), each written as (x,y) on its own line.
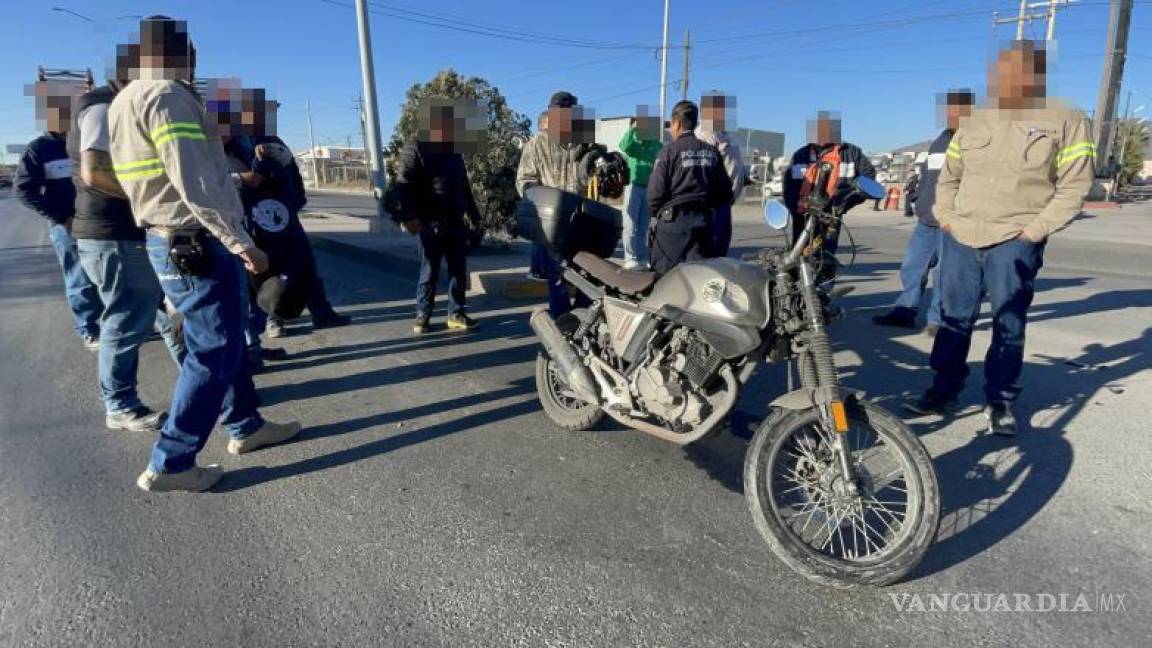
(133,305)
(1006,272)
(447,244)
(215,382)
(922,256)
(721,230)
(559,301)
(539,259)
(83,298)
(637,217)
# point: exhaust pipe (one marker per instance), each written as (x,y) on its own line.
(567,362)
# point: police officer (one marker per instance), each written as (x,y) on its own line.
(113,256)
(688,184)
(172,168)
(1014,174)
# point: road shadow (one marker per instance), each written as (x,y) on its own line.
(523,390)
(390,375)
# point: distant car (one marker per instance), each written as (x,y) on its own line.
(774,186)
(5,181)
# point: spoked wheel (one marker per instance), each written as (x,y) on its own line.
(819,524)
(560,403)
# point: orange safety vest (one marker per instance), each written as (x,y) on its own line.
(832,157)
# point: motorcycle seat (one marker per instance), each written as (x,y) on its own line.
(630,282)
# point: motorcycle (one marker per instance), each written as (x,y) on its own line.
(842,491)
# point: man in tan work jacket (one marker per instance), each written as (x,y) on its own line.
(170,163)
(1015,173)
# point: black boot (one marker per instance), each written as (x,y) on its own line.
(899,317)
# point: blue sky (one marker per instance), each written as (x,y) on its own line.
(879,62)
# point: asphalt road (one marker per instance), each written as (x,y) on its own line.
(430,503)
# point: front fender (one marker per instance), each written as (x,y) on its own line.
(802,399)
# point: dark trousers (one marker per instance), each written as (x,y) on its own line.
(687,237)
(722,230)
(447,243)
(318,305)
(1007,274)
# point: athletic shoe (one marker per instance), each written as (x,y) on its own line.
(461,322)
(193,480)
(421,325)
(274,329)
(140,419)
(930,403)
(92,342)
(269,434)
(899,317)
(1000,419)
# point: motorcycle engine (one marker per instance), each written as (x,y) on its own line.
(671,383)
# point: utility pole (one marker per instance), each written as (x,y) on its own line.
(1024,16)
(312,140)
(1115,53)
(371,113)
(664,73)
(687,49)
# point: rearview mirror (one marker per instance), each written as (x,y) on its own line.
(776,214)
(870,187)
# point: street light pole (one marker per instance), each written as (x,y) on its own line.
(371,113)
(664,73)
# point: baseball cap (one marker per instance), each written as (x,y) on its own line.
(562,99)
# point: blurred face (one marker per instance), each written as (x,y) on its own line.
(825,130)
(955,112)
(54,99)
(718,112)
(572,125)
(646,123)
(1018,78)
(459,126)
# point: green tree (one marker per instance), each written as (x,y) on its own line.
(1133,137)
(492,170)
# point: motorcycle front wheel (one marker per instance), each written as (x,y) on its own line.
(819,525)
(560,404)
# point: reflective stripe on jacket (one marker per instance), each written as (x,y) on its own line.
(1009,172)
(171,162)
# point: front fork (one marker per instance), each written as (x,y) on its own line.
(821,370)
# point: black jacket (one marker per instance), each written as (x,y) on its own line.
(853,164)
(432,186)
(44,178)
(688,172)
(98,215)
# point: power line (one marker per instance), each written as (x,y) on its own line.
(507,34)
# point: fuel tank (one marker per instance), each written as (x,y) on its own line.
(724,289)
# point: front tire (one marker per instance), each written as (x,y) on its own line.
(790,481)
(560,405)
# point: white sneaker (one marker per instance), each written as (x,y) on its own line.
(194,480)
(270,434)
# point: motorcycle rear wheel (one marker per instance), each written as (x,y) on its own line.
(561,406)
(785,503)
